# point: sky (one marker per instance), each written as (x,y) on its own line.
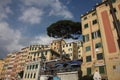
(24,22)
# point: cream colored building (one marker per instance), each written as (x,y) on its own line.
(31,71)
(101,50)
(71,49)
(35,52)
(80,49)
(55,45)
(1,67)
(32,68)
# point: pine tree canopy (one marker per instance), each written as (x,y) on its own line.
(65,29)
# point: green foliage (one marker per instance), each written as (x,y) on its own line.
(64,29)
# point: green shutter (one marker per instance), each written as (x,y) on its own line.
(99,56)
(88,48)
(93,35)
(36,66)
(88,71)
(98,45)
(113,1)
(99,34)
(101,69)
(34,75)
(31,75)
(94,21)
(86,25)
(83,38)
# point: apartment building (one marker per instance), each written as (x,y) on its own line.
(33,68)
(56,45)
(7,72)
(22,58)
(1,67)
(80,48)
(101,45)
(70,49)
(36,51)
(31,71)
(14,63)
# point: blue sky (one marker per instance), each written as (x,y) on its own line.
(24,22)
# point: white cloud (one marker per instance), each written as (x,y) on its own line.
(56,8)
(9,38)
(4,9)
(41,3)
(31,15)
(42,39)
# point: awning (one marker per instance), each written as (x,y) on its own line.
(75,62)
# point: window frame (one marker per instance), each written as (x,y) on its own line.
(88,58)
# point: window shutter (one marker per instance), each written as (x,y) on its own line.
(93,35)
(99,34)
(83,38)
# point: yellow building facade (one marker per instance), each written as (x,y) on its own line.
(55,45)
(101,46)
(70,49)
(80,49)
(35,52)
(1,67)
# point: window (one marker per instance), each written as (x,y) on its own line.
(34,54)
(30,67)
(31,75)
(69,44)
(96,34)
(88,71)
(86,38)
(101,69)
(25,75)
(99,56)
(85,18)
(35,48)
(113,1)
(86,25)
(94,21)
(33,66)
(88,48)
(93,14)
(98,45)
(36,66)
(27,67)
(38,54)
(88,58)
(70,49)
(34,75)
(52,54)
(28,75)
(45,52)
(66,45)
